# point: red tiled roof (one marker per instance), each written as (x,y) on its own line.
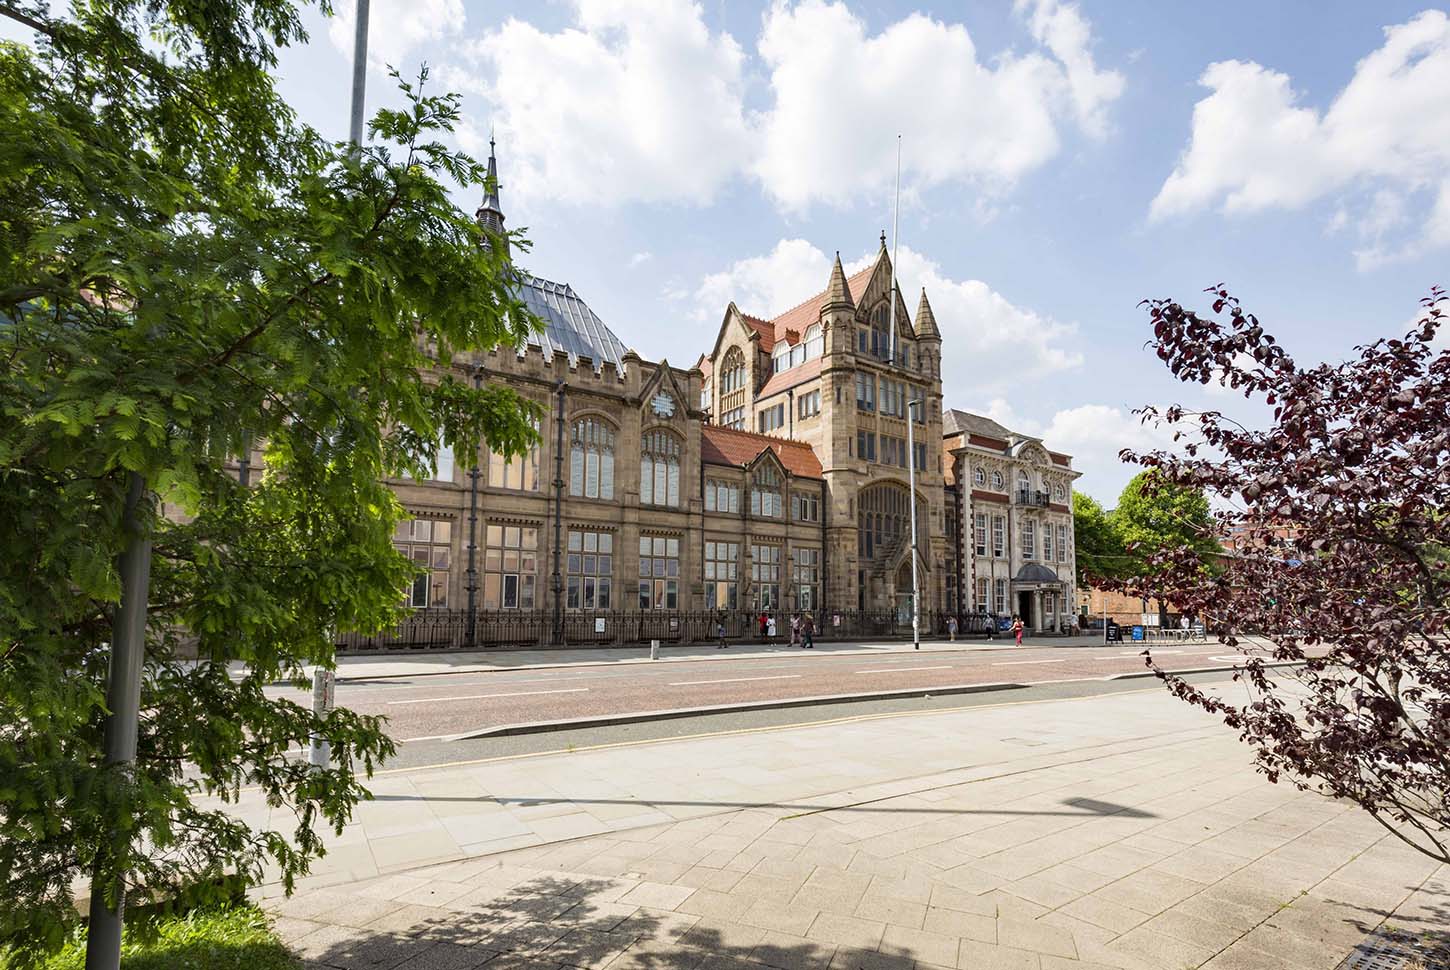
(726,446)
(787,379)
(764,328)
(801,316)
(705,366)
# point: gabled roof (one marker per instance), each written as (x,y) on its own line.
(704,366)
(965,422)
(569,324)
(789,378)
(726,446)
(802,315)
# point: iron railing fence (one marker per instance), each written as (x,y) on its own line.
(430,629)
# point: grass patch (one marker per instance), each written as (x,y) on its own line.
(230,939)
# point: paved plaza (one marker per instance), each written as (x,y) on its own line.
(1125,831)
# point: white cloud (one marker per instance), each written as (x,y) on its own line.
(962,119)
(766,285)
(640,258)
(984,335)
(636,101)
(395,27)
(1382,146)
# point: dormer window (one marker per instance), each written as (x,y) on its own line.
(765,496)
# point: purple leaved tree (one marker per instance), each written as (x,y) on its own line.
(1340,516)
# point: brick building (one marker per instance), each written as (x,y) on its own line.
(770,475)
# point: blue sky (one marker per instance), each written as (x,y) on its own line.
(1063,160)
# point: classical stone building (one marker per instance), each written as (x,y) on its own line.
(769,476)
(1013,547)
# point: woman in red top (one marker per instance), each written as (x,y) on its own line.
(1017,629)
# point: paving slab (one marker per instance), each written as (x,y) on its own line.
(1104,843)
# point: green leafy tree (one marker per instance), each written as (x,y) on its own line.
(1155,514)
(186,272)
(1100,552)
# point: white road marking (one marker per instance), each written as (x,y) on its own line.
(731,680)
(892,670)
(476,697)
(1014,663)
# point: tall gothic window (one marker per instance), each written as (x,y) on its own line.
(591,459)
(884,520)
(519,472)
(765,497)
(733,377)
(659,469)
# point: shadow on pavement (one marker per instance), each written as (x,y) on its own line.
(552,922)
(1089,807)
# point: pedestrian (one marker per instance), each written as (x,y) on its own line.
(952,628)
(1017,629)
(770,629)
(764,626)
(720,631)
(795,629)
(808,632)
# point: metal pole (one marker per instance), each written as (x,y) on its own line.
(323,684)
(123,703)
(470,636)
(895,249)
(359,73)
(911,478)
(558,583)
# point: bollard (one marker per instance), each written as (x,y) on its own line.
(323,682)
(654,650)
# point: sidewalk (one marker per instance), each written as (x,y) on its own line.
(1126,831)
(391,665)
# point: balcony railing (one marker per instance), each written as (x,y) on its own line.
(1027,496)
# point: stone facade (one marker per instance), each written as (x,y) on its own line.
(771,475)
(1015,542)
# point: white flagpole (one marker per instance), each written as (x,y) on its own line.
(895,248)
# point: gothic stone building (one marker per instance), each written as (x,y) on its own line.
(769,476)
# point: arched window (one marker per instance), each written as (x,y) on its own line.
(765,497)
(798,354)
(659,469)
(1024,484)
(997,480)
(732,390)
(883,521)
(979,475)
(814,342)
(733,378)
(780,357)
(591,459)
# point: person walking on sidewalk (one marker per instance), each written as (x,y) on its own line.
(764,626)
(795,629)
(1017,629)
(720,631)
(808,632)
(952,628)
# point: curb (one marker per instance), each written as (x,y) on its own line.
(1199,670)
(359,678)
(639,717)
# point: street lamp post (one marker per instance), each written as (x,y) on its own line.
(911,407)
(470,636)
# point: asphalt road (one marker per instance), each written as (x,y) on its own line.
(433,708)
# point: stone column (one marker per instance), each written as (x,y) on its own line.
(1037,611)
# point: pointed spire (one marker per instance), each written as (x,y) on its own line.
(926,328)
(883,240)
(490,213)
(837,293)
